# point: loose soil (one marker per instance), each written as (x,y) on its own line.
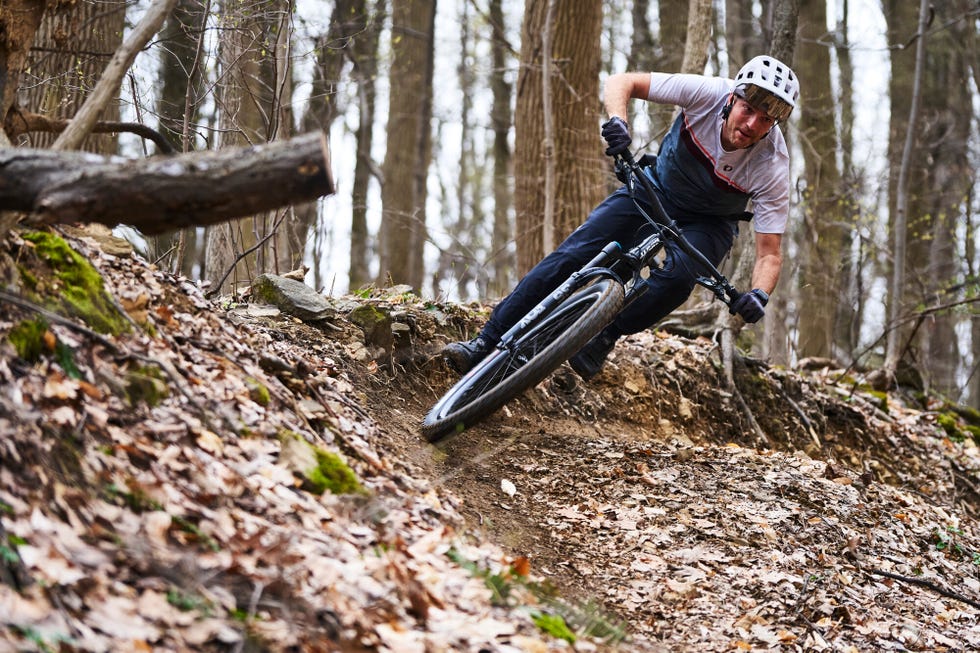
(654,508)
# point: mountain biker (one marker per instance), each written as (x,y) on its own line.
(722,151)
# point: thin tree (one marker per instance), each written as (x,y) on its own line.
(409,143)
(365,73)
(253,107)
(895,339)
(784,17)
(178,111)
(847,331)
(458,263)
(501,116)
(350,40)
(743,36)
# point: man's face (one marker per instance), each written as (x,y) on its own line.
(745,126)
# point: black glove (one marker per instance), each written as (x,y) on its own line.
(750,305)
(617,135)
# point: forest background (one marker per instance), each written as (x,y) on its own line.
(465,145)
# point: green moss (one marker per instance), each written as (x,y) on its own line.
(258,392)
(948,423)
(375,323)
(28,339)
(28,277)
(189,602)
(332,474)
(880,399)
(367,316)
(321,470)
(969,413)
(879,395)
(75,287)
(31,340)
(146,385)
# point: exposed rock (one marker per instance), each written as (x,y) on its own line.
(292,297)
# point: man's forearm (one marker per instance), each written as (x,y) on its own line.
(621,88)
(765,274)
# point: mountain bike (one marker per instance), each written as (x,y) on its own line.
(562,323)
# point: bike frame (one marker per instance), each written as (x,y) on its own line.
(607,262)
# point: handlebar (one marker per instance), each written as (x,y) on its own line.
(715,281)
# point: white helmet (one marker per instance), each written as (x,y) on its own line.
(769,84)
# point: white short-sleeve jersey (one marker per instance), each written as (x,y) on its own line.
(698,177)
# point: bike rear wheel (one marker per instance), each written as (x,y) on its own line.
(506,372)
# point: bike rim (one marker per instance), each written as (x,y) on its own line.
(502,363)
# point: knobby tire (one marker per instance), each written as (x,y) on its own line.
(505,373)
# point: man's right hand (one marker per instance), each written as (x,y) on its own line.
(750,305)
(617,135)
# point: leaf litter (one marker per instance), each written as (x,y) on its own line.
(170,514)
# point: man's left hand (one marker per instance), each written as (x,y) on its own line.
(750,305)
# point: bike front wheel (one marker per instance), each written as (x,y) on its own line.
(527,360)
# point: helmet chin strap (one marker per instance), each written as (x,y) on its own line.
(727,109)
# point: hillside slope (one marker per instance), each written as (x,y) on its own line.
(225,476)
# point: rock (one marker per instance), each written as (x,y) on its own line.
(292,297)
(376,324)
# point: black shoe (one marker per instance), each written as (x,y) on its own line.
(590,359)
(462,356)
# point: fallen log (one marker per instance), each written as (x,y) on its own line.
(164,193)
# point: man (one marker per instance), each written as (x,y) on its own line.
(723,150)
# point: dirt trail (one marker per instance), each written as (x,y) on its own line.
(643,497)
(162,475)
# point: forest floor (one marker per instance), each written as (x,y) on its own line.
(163,489)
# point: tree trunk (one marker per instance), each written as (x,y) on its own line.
(670,58)
(848,328)
(178,111)
(365,54)
(826,247)
(903,20)
(937,264)
(785,17)
(73,46)
(973,272)
(252,96)
(406,164)
(698,37)
(181,73)
(19,23)
(501,245)
(164,193)
(579,183)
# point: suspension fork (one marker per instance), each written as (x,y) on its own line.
(597,266)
